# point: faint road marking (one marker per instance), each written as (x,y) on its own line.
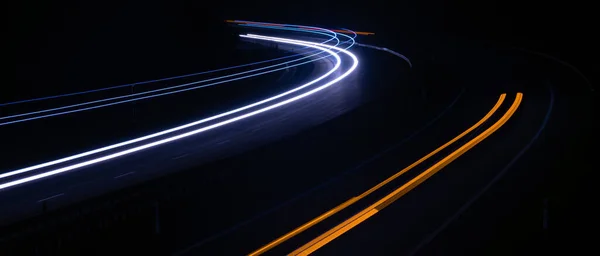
(180,156)
(223,142)
(48,198)
(123,175)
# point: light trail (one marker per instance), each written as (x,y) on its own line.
(387,50)
(323,47)
(31,168)
(354,35)
(155,91)
(88,153)
(355,199)
(285,25)
(373,209)
(362,33)
(302,28)
(332,37)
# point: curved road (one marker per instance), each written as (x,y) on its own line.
(277,174)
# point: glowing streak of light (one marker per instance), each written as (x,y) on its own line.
(157,80)
(153,91)
(287,25)
(177,137)
(301,28)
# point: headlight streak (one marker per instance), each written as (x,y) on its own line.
(332,37)
(31,168)
(234,119)
(296,28)
(279,27)
(88,153)
(354,35)
(309,44)
(287,25)
(157,90)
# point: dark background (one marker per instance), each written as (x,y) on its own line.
(67,46)
(59,45)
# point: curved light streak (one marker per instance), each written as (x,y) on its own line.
(288,25)
(157,90)
(129,151)
(284,27)
(300,28)
(354,35)
(332,37)
(31,168)
(231,120)
(389,51)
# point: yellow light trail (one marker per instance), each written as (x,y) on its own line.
(353,200)
(368,212)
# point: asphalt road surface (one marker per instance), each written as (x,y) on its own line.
(235,189)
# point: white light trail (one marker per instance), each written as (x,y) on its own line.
(187,134)
(156,91)
(332,37)
(31,168)
(95,151)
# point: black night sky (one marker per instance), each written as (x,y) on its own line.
(57,47)
(64,43)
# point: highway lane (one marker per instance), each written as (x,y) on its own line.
(310,55)
(140,110)
(130,120)
(376,117)
(179,85)
(318,109)
(248,57)
(540,197)
(245,184)
(416,216)
(37,172)
(244,55)
(175,152)
(412,224)
(361,174)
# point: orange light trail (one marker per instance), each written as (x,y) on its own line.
(353,200)
(373,209)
